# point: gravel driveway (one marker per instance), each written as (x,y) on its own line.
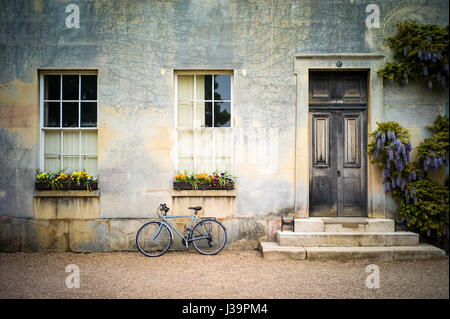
(230,274)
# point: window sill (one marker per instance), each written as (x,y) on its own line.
(71,193)
(203,193)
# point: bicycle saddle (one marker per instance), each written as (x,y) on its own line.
(196,208)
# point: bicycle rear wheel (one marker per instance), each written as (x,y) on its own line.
(209,237)
(153,239)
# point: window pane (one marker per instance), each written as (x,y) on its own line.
(222,114)
(88,114)
(204,84)
(71,141)
(52,84)
(208,114)
(204,114)
(185,143)
(71,163)
(88,87)
(223,163)
(52,143)
(89,143)
(70,87)
(200,85)
(222,87)
(185,114)
(51,114)
(89,164)
(222,141)
(185,164)
(205,151)
(185,87)
(70,114)
(52,164)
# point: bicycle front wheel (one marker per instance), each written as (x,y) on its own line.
(209,237)
(153,239)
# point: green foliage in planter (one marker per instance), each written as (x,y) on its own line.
(215,179)
(221,178)
(189,177)
(44,177)
(433,151)
(421,52)
(425,206)
(60,180)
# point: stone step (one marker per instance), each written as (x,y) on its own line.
(346,239)
(344,224)
(271,250)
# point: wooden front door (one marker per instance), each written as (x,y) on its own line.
(338,142)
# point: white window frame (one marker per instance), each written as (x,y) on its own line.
(61,129)
(195,127)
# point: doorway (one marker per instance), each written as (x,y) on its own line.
(338,143)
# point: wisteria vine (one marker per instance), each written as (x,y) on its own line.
(391,148)
(421,52)
(423,203)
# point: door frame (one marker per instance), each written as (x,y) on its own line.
(376,201)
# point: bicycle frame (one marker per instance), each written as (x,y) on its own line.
(166,222)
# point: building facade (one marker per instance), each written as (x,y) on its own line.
(282,94)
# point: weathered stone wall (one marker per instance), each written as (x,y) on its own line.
(136,46)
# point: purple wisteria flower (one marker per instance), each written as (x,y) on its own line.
(383,139)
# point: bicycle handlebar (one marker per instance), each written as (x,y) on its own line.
(164,207)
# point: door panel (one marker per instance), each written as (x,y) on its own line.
(323,183)
(321,139)
(353,176)
(337,170)
(351,140)
(337,87)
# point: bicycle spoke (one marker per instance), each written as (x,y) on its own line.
(153,239)
(215,237)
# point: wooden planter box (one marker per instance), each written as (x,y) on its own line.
(73,186)
(202,186)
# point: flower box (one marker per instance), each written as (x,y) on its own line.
(202,186)
(182,186)
(66,186)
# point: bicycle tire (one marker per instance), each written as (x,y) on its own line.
(201,245)
(165,232)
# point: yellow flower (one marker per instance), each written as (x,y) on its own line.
(181,177)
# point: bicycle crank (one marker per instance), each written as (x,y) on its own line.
(209,241)
(185,244)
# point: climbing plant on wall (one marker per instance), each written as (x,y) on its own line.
(433,151)
(422,202)
(421,52)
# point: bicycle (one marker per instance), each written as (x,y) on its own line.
(208,235)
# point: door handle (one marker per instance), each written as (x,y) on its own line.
(339,173)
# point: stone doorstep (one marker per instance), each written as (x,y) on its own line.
(346,239)
(344,224)
(271,250)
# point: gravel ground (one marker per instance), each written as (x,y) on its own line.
(230,274)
